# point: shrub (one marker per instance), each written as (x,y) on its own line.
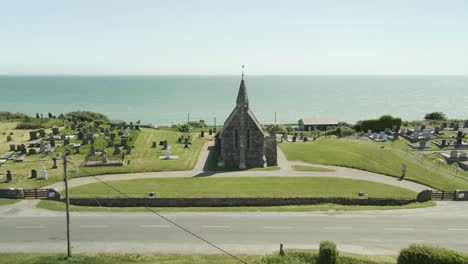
(385,121)
(328,254)
(185,128)
(87,116)
(420,254)
(435,116)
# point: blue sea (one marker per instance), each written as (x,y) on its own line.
(163,100)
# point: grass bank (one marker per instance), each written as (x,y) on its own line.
(4,201)
(199,187)
(368,155)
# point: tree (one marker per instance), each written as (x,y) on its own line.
(435,116)
(37,115)
(50,115)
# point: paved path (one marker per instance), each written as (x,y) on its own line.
(285,170)
(27,229)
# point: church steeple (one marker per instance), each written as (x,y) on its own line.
(242,98)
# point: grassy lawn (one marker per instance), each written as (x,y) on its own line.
(311,168)
(108,258)
(4,201)
(368,155)
(143,157)
(243,187)
(60,206)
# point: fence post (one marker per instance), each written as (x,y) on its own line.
(443,194)
(35,193)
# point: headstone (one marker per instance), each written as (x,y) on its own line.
(179,140)
(423,127)
(436,130)
(32,151)
(456,126)
(123,141)
(459,141)
(66,141)
(463,155)
(80,135)
(23,149)
(301,135)
(33,174)
(210,132)
(453,154)
(42,133)
(403,131)
(92,150)
(73,126)
(165,144)
(422,143)
(112,136)
(186,141)
(52,142)
(9,138)
(381,135)
(44,173)
(444,125)
(369,132)
(77,150)
(89,136)
(110,144)
(12,147)
(186,146)
(387,130)
(9,177)
(129,150)
(451,125)
(154,144)
(55,131)
(62,137)
(416,135)
(127,132)
(168,152)
(104,156)
(117,150)
(84,141)
(305,139)
(385,137)
(294,138)
(285,136)
(55,163)
(32,135)
(444,142)
(466,124)
(42,147)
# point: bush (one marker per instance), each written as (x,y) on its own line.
(11,116)
(328,254)
(420,254)
(87,116)
(385,121)
(185,128)
(435,116)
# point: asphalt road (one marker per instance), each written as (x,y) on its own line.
(26,229)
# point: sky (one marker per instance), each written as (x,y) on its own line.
(215,37)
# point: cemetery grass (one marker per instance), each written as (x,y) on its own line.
(119,258)
(311,168)
(142,159)
(60,206)
(367,155)
(234,187)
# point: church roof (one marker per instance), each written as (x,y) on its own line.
(242,97)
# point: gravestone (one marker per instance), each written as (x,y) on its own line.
(104,156)
(9,138)
(32,151)
(42,133)
(52,142)
(186,146)
(80,135)
(403,131)
(33,174)
(77,150)
(42,147)
(369,133)
(165,144)
(62,137)
(112,136)
(423,127)
(12,147)
(23,149)
(55,163)
(154,144)
(422,143)
(92,150)
(32,135)
(210,132)
(459,137)
(437,130)
(451,125)
(123,141)
(89,136)
(9,177)
(301,135)
(84,141)
(202,134)
(305,139)
(44,173)
(186,141)
(294,138)
(456,126)
(444,142)
(285,136)
(110,144)
(453,154)
(179,140)
(66,141)
(466,124)
(444,125)
(121,133)
(55,131)
(129,150)
(395,135)
(117,151)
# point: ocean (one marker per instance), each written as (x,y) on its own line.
(165,100)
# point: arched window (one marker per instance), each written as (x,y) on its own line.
(236,139)
(248,138)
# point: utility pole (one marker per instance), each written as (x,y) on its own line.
(215,124)
(67,203)
(188,118)
(275,118)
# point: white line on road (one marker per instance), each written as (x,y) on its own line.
(399,228)
(216,226)
(277,227)
(338,228)
(155,226)
(457,229)
(24,227)
(94,226)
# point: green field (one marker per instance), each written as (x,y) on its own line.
(142,159)
(368,155)
(60,206)
(311,168)
(243,187)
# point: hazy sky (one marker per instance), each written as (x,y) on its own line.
(216,37)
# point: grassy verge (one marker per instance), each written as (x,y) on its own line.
(4,201)
(367,155)
(60,206)
(108,258)
(243,187)
(311,168)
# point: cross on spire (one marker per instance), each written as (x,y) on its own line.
(243,72)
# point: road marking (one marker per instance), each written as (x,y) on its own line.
(277,227)
(24,227)
(399,229)
(94,226)
(457,229)
(216,226)
(338,228)
(155,226)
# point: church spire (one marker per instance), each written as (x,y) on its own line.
(242,99)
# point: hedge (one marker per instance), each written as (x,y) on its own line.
(420,254)
(376,125)
(328,254)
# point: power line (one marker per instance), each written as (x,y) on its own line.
(168,220)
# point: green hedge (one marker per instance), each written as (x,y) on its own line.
(328,254)
(385,121)
(420,254)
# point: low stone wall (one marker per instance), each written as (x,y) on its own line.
(12,193)
(230,202)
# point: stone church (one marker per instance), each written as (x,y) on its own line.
(242,141)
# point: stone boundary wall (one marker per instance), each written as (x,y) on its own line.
(230,202)
(12,193)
